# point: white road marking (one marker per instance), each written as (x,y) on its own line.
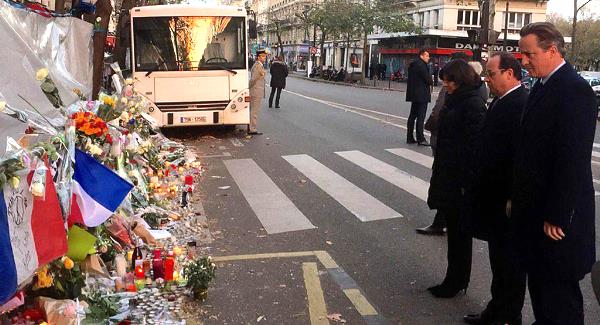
(401,179)
(595,154)
(364,206)
(413,156)
(225,154)
(272,207)
(357,110)
(596,145)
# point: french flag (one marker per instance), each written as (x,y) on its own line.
(97,191)
(32,232)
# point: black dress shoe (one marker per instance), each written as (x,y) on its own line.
(277,106)
(255,133)
(431,230)
(424,143)
(486,319)
(410,141)
(445,290)
(476,319)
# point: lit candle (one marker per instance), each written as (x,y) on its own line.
(154,180)
(150,172)
(139,272)
(129,256)
(175,275)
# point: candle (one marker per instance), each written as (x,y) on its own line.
(154,180)
(120,265)
(139,272)
(129,255)
(150,172)
(175,276)
(189,180)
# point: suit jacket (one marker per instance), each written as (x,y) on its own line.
(257,80)
(553,177)
(418,86)
(495,174)
(279,72)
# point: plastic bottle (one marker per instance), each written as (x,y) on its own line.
(169,266)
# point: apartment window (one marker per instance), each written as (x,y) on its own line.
(468,19)
(516,21)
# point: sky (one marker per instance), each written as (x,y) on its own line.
(565,7)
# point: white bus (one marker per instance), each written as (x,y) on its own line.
(191,62)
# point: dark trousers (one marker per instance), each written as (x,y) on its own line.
(460,245)
(417,112)
(508,278)
(276,98)
(555,302)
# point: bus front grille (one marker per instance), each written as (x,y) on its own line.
(192,106)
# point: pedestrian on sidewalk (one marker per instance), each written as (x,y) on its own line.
(553,198)
(418,92)
(438,226)
(435,74)
(257,90)
(454,166)
(493,221)
(279,73)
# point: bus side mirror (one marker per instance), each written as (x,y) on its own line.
(252,32)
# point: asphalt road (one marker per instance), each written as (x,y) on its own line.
(323,136)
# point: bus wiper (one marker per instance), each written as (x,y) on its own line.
(155,68)
(225,68)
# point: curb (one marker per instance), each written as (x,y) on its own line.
(346,84)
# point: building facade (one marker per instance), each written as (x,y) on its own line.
(445,24)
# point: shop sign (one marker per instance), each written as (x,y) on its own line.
(494,48)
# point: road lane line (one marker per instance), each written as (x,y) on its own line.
(316,300)
(595,154)
(272,207)
(364,206)
(413,156)
(356,110)
(360,302)
(596,145)
(400,178)
(232,258)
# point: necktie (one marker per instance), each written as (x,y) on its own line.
(492,104)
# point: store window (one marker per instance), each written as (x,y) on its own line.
(468,19)
(516,21)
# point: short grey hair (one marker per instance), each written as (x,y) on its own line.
(547,35)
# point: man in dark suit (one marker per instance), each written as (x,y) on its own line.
(553,196)
(494,191)
(418,92)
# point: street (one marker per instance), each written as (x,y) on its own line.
(333,177)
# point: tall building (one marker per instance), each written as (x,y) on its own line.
(281,27)
(445,24)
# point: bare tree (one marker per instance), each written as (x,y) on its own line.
(576,9)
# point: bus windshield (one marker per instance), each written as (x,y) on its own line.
(189,43)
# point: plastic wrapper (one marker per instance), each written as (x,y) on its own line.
(119,229)
(64,312)
(38,180)
(30,42)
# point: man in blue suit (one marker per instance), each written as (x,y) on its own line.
(553,195)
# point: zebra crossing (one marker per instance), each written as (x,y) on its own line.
(278,214)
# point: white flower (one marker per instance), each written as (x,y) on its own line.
(2,106)
(98,19)
(124,116)
(41,74)
(37,189)
(124,100)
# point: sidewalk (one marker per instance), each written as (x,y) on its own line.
(370,84)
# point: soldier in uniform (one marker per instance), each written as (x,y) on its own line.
(257,89)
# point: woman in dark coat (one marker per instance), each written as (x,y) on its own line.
(459,130)
(279,72)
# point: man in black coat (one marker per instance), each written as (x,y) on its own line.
(279,73)
(494,223)
(418,92)
(553,197)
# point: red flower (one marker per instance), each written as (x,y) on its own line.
(109,139)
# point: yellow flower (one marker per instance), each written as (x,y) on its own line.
(109,101)
(68,263)
(41,74)
(14,181)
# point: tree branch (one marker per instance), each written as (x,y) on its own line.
(583,5)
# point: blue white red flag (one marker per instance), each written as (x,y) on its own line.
(32,233)
(97,191)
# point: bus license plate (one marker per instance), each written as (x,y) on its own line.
(193,119)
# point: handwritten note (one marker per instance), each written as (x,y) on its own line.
(19,203)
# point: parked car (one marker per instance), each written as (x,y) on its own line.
(595,83)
